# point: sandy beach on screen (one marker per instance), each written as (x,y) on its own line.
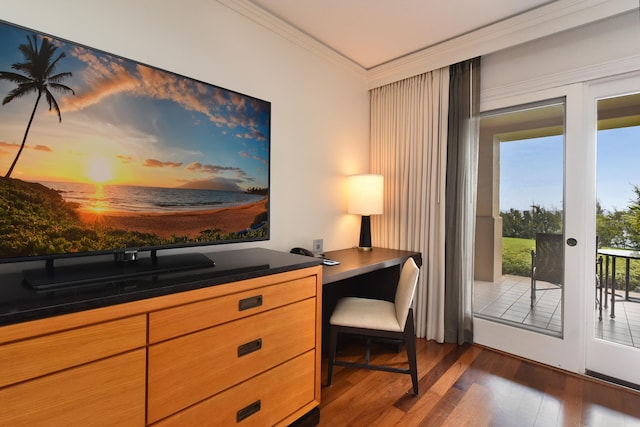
(225,220)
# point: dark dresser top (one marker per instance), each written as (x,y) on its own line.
(19,302)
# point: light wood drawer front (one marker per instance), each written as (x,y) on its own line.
(34,357)
(188,369)
(110,392)
(176,321)
(262,401)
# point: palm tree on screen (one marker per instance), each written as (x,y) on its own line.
(38,76)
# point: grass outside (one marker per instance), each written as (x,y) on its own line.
(516,256)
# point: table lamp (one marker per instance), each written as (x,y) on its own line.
(365,198)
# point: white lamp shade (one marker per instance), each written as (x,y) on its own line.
(365,194)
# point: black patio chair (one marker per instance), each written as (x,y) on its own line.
(547,263)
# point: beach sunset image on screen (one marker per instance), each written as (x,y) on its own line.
(100,153)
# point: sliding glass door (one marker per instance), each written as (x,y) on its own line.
(529,238)
(613,346)
(520,271)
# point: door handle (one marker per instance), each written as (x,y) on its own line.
(571,241)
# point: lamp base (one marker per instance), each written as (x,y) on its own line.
(365,234)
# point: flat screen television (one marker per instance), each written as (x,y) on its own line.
(104,155)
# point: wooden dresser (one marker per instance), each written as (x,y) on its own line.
(245,352)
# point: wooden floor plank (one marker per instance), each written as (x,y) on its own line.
(445,406)
(572,402)
(469,385)
(472,409)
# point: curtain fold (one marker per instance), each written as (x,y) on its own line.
(461,186)
(408,147)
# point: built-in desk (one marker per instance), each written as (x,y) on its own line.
(355,263)
(370,274)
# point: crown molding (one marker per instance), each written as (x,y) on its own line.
(540,22)
(288,32)
(631,64)
(546,20)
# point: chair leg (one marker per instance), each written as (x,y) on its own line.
(533,292)
(598,298)
(410,345)
(367,355)
(333,342)
(533,278)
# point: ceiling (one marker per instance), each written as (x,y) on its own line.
(373,32)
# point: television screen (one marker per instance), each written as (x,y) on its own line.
(100,154)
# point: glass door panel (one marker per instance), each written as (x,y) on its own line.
(520,218)
(530,186)
(614,348)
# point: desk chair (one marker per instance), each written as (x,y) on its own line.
(547,263)
(379,319)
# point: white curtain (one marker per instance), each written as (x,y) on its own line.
(409,148)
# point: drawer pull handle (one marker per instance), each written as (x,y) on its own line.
(247,411)
(247,303)
(249,347)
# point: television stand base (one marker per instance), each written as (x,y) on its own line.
(82,274)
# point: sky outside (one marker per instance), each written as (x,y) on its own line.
(132,124)
(531,170)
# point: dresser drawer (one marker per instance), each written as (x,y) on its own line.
(31,358)
(191,368)
(169,323)
(263,400)
(109,392)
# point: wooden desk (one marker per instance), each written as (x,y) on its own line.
(354,263)
(370,274)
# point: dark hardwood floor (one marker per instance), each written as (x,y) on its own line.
(468,386)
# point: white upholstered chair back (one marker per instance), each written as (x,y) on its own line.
(406,290)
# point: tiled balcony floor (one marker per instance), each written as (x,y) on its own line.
(509,301)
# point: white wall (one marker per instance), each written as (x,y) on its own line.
(320,110)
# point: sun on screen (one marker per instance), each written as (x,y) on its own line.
(99,170)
